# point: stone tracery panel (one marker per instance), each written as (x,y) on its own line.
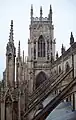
(41,47)
(8,109)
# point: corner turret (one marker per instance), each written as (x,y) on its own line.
(10,59)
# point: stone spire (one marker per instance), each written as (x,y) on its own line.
(31,13)
(41,12)
(10,59)
(18,66)
(50,14)
(50,10)
(57,55)
(10,49)
(19,49)
(62,49)
(71,39)
(11,33)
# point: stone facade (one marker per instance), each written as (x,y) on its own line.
(22,77)
(41,35)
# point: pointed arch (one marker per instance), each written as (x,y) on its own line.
(8,108)
(8,94)
(41,46)
(8,104)
(11,106)
(40,78)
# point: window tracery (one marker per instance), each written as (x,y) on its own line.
(41,47)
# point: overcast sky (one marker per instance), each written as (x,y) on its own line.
(64,20)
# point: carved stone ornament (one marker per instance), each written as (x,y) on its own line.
(8,100)
(40,27)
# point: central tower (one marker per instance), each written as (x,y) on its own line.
(41,46)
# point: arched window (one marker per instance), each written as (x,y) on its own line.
(59,69)
(41,77)
(41,47)
(67,67)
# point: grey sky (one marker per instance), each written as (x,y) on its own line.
(64,20)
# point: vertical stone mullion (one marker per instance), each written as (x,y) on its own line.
(36,50)
(73,101)
(46,51)
(2,111)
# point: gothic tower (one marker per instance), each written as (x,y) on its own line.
(10,60)
(41,47)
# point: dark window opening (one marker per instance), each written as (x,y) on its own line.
(41,47)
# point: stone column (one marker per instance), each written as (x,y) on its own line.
(73,101)
(7,72)
(2,106)
(46,50)
(2,111)
(36,50)
(19,113)
(29,49)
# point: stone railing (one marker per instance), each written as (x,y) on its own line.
(38,19)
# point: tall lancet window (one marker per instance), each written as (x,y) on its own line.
(41,47)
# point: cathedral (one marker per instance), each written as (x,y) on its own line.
(29,81)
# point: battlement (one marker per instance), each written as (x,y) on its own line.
(41,18)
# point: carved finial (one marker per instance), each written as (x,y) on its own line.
(50,9)
(23,56)
(32,10)
(31,13)
(62,49)
(41,12)
(71,39)
(57,55)
(50,14)
(11,33)
(19,49)
(10,45)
